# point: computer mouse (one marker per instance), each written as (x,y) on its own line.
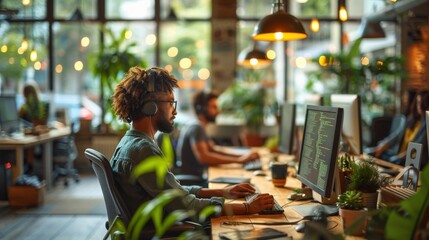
(259,173)
(300,228)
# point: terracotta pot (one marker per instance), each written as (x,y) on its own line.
(354,221)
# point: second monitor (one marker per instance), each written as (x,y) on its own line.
(352,127)
(287,128)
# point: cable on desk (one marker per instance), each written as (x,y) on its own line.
(302,203)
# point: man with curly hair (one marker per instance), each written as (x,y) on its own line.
(144,98)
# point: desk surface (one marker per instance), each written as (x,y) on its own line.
(28,140)
(263,184)
(18,144)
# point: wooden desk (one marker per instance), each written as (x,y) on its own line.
(264,186)
(20,143)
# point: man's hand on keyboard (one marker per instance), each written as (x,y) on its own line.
(249,157)
(238,190)
(260,202)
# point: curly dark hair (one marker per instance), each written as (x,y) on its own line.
(131,93)
(201,99)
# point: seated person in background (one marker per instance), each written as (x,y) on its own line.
(194,148)
(33,110)
(144,98)
(394,149)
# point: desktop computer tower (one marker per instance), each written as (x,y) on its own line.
(7,159)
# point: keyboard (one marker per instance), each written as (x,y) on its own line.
(253,165)
(277,208)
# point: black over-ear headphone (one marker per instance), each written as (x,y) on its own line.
(201,106)
(150,108)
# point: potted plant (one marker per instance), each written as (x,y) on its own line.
(345,162)
(247,101)
(352,212)
(110,64)
(348,72)
(366,179)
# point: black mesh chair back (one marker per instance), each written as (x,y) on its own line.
(115,204)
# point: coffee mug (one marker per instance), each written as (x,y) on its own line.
(278,173)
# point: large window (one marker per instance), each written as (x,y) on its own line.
(175,34)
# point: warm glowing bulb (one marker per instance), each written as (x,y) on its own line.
(343,14)
(85,42)
(204,73)
(26,2)
(271,54)
(33,55)
(24,45)
(315,25)
(185,63)
(278,35)
(254,61)
(78,66)
(128,34)
(4,48)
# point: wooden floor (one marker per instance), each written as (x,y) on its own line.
(18,225)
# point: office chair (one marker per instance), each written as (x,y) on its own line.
(185,179)
(64,154)
(117,210)
(394,137)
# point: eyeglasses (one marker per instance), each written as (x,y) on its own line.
(173,103)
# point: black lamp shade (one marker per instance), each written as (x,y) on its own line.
(371,29)
(253,58)
(279,26)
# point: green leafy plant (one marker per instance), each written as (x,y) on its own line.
(110,64)
(365,177)
(345,162)
(153,210)
(35,110)
(345,72)
(245,100)
(351,200)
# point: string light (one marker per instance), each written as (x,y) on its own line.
(315,25)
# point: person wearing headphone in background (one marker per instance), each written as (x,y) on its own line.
(195,150)
(144,98)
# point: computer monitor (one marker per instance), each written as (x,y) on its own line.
(319,151)
(9,118)
(287,128)
(352,127)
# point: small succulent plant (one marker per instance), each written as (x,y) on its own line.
(351,200)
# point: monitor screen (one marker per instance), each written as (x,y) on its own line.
(287,128)
(9,119)
(319,149)
(352,127)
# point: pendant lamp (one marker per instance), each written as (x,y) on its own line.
(371,29)
(278,26)
(253,58)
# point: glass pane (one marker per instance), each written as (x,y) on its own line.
(67,9)
(73,42)
(34,10)
(130,9)
(185,51)
(17,64)
(185,9)
(253,8)
(143,34)
(315,8)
